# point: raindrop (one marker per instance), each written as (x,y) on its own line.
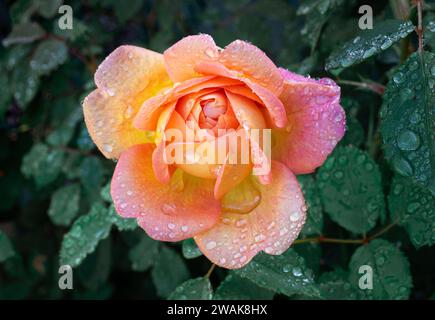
(210,245)
(408,141)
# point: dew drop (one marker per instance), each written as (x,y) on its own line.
(210,245)
(408,141)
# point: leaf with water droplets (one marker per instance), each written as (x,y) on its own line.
(351,191)
(105,193)
(334,285)
(193,289)
(314,223)
(6,249)
(143,254)
(190,249)
(123,224)
(49,55)
(237,288)
(91,176)
(414,208)
(24,83)
(24,33)
(84,235)
(169,271)
(42,164)
(286,274)
(369,42)
(64,204)
(391,273)
(408,120)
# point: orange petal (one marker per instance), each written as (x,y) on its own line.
(316,123)
(246,111)
(271,227)
(252,62)
(161,169)
(182,57)
(108,121)
(168,212)
(273,105)
(122,87)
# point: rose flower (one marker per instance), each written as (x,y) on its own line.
(212,96)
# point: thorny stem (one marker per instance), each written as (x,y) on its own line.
(374,87)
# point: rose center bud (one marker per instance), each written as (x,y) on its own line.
(213,105)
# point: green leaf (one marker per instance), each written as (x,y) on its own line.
(24,33)
(350,187)
(49,55)
(334,285)
(91,176)
(105,193)
(65,130)
(286,274)
(317,13)
(369,42)
(237,288)
(408,120)
(414,208)
(6,249)
(123,12)
(169,271)
(391,273)
(354,133)
(314,222)
(123,224)
(94,271)
(190,249)
(48,8)
(193,289)
(143,254)
(24,83)
(42,164)
(64,204)
(84,235)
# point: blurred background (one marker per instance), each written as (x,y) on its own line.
(51,173)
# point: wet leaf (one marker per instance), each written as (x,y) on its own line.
(369,42)
(350,187)
(42,164)
(143,254)
(190,249)
(24,33)
(64,204)
(408,120)
(414,208)
(286,274)
(193,289)
(49,55)
(169,271)
(391,274)
(123,224)
(236,288)
(314,222)
(84,235)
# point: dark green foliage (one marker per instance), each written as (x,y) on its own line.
(371,203)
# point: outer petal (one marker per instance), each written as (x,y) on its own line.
(127,77)
(167,212)
(181,58)
(253,63)
(272,226)
(316,122)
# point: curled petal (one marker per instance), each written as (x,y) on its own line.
(273,105)
(253,63)
(316,122)
(168,212)
(271,227)
(122,88)
(181,58)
